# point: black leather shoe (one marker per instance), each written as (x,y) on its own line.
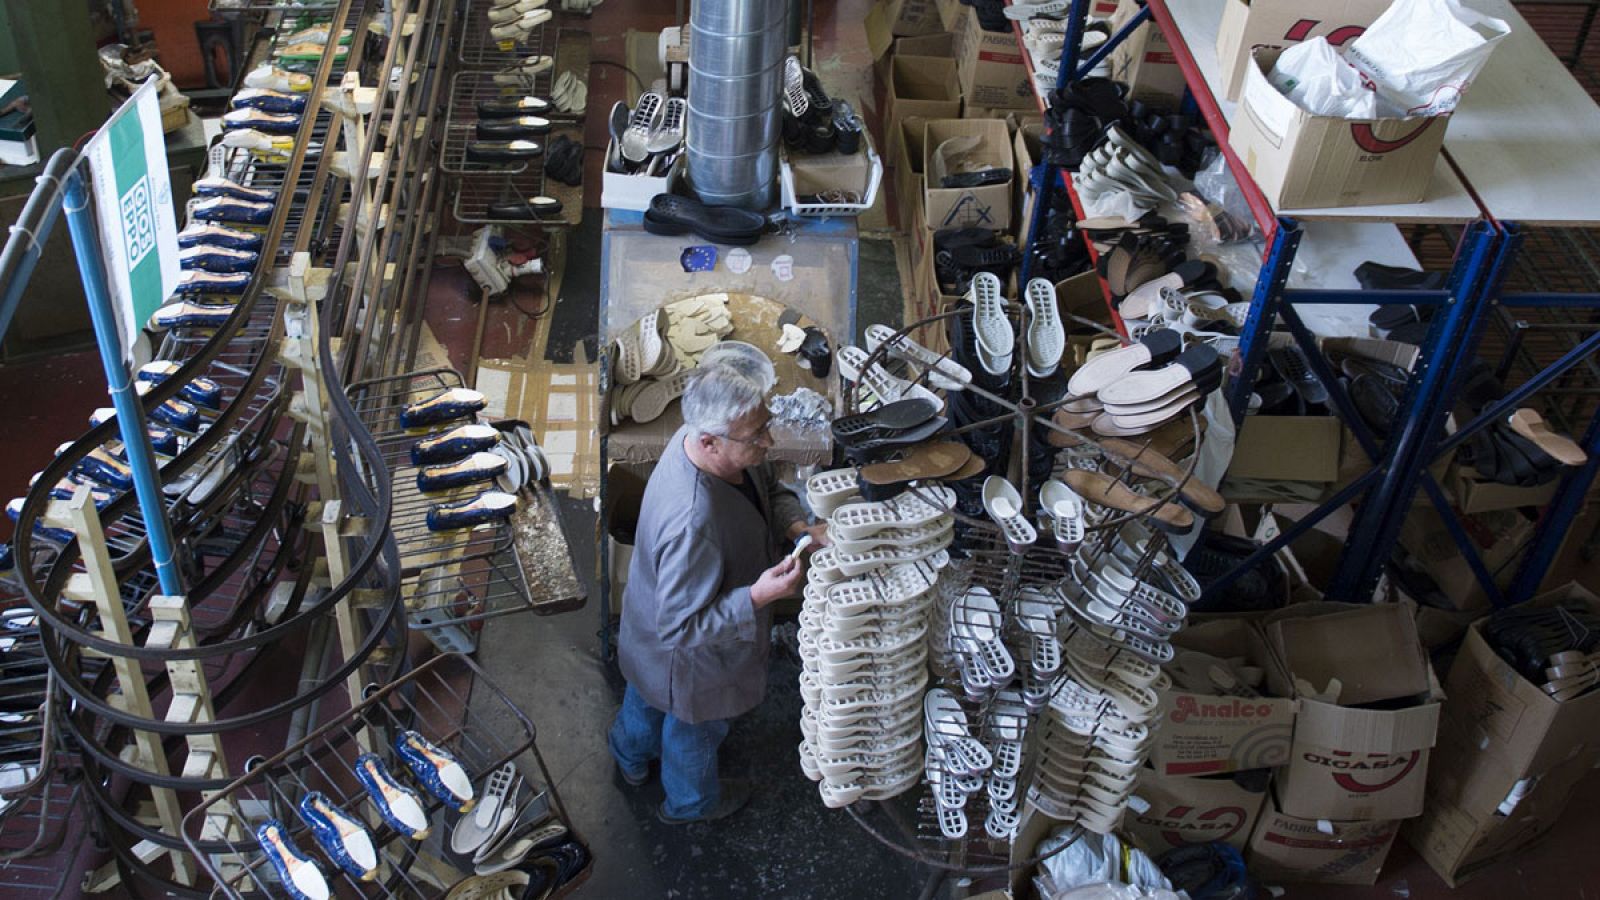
(503,151)
(531,209)
(515,127)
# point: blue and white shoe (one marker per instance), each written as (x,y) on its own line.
(269,101)
(478,467)
(436,770)
(397,804)
(454,444)
(178,413)
(340,835)
(190,315)
(202,391)
(489,506)
(213,186)
(106,469)
(59,535)
(264,122)
(301,876)
(162,440)
(194,284)
(67,487)
(212,258)
(445,406)
(203,234)
(229,209)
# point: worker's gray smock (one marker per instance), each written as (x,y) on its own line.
(691,641)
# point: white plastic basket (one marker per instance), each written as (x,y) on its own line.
(868,197)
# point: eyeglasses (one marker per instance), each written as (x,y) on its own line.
(762,437)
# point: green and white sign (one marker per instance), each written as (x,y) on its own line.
(133,203)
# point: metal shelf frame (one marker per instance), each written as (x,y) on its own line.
(1483,257)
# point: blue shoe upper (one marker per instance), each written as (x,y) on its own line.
(218,236)
(381,785)
(329,824)
(428,763)
(285,857)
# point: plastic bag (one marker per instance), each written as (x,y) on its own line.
(1317,79)
(1422,54)
(1224,216)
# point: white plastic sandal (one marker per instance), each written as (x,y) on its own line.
(827,491)
(883,386)
(1004,505)
(943,372)
(1066,511)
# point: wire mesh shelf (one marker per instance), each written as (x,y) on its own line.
(482,733)
(236,7)
(462,576)
(480,49)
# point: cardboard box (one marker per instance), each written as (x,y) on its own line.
(1212,734)
(1498,730)
(985,207)
(1025,149)
(992,70)
(910,18)
(1351,763)
(1083,296)
(1280,24)
(908,182)
(883,43)
(1289,848)
(923,86)
(1302,160)
(1184,811)
(1475,494)
(1287,448)
(1145,61)
(927,298)
(1496,536)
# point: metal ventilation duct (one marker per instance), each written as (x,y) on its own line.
(736,52)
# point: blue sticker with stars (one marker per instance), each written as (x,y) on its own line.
(702,258)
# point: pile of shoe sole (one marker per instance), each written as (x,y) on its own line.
(696,324)
(1138,388)
(1121,603)
(813,122)
(863,638)
(457,465)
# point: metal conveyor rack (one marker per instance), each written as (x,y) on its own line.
(482,735)
(453,578)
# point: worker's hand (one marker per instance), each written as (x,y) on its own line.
(777,582)
(819,536)
(818,532)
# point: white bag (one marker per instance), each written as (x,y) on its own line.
(1423,54)
(1319,81)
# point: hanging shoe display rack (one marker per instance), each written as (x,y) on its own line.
(1018,587)
(1487,246)
(279,503)
(452,704)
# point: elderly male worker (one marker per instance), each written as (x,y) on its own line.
(710,557)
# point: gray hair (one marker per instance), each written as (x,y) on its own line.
(716,395)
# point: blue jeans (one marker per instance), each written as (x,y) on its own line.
(688,753)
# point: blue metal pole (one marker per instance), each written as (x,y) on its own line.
(1557,520)
(1264,303)
(130,415)
(1378,524)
